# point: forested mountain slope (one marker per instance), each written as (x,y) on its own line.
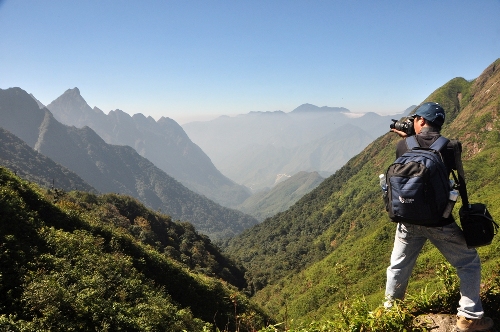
(335,242)
(33,166)
(81,262)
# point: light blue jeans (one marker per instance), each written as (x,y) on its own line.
(450,242)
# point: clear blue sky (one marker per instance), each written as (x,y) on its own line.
(173,58)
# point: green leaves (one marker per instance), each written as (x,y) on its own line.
(91,262)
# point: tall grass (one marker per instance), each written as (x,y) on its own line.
(356,315)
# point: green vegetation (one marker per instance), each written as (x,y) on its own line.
(81,262)
(333,245)
(453,96)
(85,262)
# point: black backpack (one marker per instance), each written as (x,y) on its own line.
(418,184)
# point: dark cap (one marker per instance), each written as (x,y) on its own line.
(432,112)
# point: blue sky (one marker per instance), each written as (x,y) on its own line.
(199,58)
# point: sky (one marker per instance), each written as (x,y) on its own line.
(194,60)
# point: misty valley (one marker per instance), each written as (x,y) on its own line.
(266,221)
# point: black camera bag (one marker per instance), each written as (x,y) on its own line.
(478,226)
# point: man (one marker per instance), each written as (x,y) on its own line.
(445,235)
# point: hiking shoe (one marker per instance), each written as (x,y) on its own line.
(468,325)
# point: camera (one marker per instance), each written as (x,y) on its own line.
(405,125)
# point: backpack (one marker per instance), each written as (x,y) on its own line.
(418,184)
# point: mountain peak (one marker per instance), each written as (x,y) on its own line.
(309,108)
(75,92)
(70,108)
(71,96)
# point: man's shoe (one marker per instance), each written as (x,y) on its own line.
(468,325)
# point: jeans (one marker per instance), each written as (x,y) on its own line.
(450,242)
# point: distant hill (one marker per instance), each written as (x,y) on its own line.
(84,262)
(267,203)
(309,108)
(112,168)
(252,149)
(335,242)
(163,142)
(33,166)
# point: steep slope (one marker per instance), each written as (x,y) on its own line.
(88,263)
(163,142)
(268,203)
(335,242)
(33,166)
(252,149)
(112,168)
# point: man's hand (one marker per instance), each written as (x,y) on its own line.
(400,133)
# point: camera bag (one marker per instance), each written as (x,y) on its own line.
(478,226)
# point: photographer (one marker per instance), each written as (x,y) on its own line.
(446,235)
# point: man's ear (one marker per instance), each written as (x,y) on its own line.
(422,121)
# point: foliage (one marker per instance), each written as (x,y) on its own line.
(83,262)
(356,314)
(334,244)
(453,96)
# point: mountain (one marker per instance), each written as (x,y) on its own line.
(112,168)
(254,148)
(267,203)
(33,166)
(37,101)
(85,262)
(309,108)
(335,243)
(163,142)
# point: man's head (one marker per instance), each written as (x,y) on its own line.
(432,112)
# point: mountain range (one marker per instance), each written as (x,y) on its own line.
(309,138)
(257,148)
(163,142)
(112,168)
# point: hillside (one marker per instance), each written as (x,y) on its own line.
(112,168)
(81,262)
(334,243)
(33,166)
(163,142)
(267,203)
(253,149)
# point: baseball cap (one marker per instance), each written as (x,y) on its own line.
(432,112)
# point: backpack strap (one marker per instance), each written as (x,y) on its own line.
(411,142)
(462,189)
(440,143)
